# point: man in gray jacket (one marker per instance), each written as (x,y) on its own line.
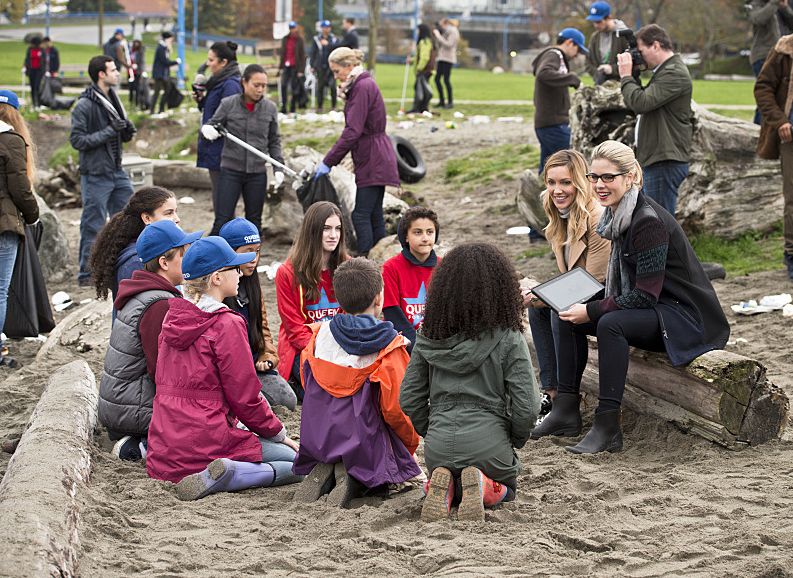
(99,127)
(664,127)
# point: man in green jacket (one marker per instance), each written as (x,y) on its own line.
(664,127)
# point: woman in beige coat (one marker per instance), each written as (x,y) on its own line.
(573,213)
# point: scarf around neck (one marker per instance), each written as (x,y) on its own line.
(231,70)
(344,87)
(613,225)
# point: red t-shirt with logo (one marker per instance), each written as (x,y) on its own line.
(405,286)
(297,313)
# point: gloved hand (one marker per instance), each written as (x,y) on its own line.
(210,132)
(119,124)
(322,169)
(278,179)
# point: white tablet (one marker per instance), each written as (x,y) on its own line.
(575,286)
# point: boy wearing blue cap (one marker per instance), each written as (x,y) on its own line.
(127,385)
(323,45)
(551,94)
(605,44)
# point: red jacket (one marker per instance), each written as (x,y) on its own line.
(297,314)
(205,381)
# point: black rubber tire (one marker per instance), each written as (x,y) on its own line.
(409,162)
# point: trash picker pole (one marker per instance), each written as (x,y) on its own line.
(404,85)
(257,152)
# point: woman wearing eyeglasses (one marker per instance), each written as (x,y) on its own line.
(657,298)
(207,389)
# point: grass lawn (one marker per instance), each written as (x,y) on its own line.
(749,253)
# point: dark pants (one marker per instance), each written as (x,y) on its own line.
(757,66)
(552,139)
(232,184)
(444,72)
(133,91)
(289,82)
(422,94)
(214,177)
(367,217)
(160,84)
(35,76)
(542,334)
(616,332)
(103,196)
(661,181)
(325,80)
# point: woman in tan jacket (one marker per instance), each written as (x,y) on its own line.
(573,213)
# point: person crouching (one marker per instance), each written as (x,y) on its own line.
(352,431)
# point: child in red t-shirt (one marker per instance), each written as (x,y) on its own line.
(407,275)
(304,285)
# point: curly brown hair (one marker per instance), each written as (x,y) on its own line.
(474,289)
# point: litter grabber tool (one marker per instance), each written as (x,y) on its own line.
(211,132)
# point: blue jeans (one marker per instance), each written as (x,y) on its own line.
(9,241)
(232,184)
(552,139)
(661,181)
(757,66)
(280,457)
(540,323)
(367,217)
(103,196)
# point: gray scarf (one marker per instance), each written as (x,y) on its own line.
(613,225)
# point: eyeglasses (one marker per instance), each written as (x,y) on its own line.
(605,177)
(235,268)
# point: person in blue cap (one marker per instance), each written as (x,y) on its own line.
(243,237)
(323,45)
(551,95)
(115,48)
(207,389)
(291,66)
(605,44)
(127,384)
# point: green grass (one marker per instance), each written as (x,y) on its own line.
(61,156)
(503,162)
(188,141)
(742,114)
(749,253)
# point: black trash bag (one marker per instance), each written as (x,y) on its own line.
(48,98)
(316,190)
(144,94)
(28,312)
(173,96)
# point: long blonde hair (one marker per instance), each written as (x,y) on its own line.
(621,156)
(10,115)
(583,202)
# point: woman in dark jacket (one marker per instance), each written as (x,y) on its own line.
(17,204)
(657,298)
(364,136)
(225,81)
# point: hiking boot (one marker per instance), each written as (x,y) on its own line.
(564,419)
(472,506)
(128,449)
(439,492)
(317,483)
(605,435)
(789,264)
(347,488)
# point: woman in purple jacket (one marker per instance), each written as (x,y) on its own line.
(363,136)
(225,81)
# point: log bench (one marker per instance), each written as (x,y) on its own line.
(721,396)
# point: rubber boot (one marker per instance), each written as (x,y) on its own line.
(347,487)
(439,491)
(605,435)
(472,504)
(318,482)
(564,419)
(225,475)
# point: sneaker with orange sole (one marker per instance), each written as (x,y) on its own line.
(440,491)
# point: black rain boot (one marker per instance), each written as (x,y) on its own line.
(564,419)
(605,435)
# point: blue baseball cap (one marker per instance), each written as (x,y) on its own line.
(160,237)
(576,36)
(293,24)
(211,254)
(325,24)
(9,98)
(598,11)
(239,232)
(119,31)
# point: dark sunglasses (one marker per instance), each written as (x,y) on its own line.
(605,177)
(235,268)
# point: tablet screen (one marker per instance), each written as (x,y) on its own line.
(567,289)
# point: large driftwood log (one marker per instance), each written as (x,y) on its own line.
(729,191)
(530,200)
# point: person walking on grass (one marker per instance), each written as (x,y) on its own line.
(161,70)
(99,128)
(447,36)
(324,43)
(35,69)
(291,67)
(423,69)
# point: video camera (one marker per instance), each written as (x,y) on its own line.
(633,50)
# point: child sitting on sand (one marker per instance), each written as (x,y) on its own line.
(206,385)
(469,389)
(352,432)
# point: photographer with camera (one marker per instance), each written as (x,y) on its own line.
(605,44)
(664,126)
(99,128)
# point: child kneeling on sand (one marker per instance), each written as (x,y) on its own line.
(469,389)
(352,432)
(207,384)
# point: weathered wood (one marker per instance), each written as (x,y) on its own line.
(529,200)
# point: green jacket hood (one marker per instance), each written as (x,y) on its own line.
(457,354)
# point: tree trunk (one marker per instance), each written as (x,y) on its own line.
(374,23)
